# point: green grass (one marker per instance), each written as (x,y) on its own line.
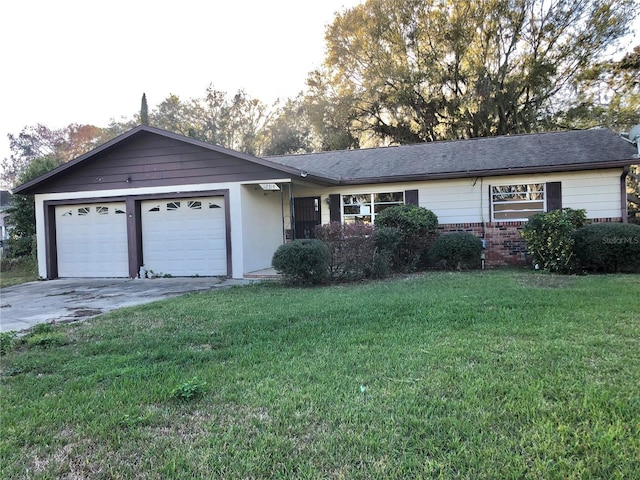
(447,375)
(18,270)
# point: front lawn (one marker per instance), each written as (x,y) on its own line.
(14,271)
(475,375)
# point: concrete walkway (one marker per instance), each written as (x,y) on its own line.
(68,300)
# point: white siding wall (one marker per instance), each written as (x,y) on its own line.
(256,222)
(466,200)
(456,201)
(596,191)
(235,208)
(262,226)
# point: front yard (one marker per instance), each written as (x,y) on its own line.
(505,374)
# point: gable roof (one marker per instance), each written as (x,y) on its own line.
(504,155)
(32,186)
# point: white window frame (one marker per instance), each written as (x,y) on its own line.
(518,201)
(368,207)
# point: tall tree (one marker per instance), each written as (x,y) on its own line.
(37,141)
(288,129)
(422,70)
(233,122)
(144,111)
(22,218)
(607,95)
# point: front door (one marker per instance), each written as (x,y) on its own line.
(307,216)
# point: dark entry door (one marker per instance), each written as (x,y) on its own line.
(306,212)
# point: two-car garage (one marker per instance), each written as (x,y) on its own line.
(178,237)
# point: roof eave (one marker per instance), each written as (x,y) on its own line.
(487,173)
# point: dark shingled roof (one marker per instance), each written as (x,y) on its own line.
(511,154)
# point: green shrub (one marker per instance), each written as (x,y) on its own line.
(352,249)
(41,328)
(7,341)
(608,247)
(549,238)
(45,340)
(189,390)
(415,225)
(19,247)
(388,254)
(303,261)
(456,250)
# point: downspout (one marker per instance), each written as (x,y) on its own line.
(284,227)
(484,240)
(623,187)
(292,213)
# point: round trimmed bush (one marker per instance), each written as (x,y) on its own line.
(415,225)
(303,262)
(456,250)
(549,238)
(608,247)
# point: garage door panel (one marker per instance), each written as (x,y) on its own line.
(185,237)
(92,240)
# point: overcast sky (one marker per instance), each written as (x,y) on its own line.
(82,61)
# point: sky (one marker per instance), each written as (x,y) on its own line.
(83,61)
(86,62)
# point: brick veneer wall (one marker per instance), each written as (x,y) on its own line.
(503,243)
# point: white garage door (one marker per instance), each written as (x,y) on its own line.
(184,237)
(92,240)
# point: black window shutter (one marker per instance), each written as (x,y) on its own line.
(334,207)
(554,196)
(411,197)
(490,205)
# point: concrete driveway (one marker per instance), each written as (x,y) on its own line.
(69,300)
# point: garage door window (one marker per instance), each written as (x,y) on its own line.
(82,211)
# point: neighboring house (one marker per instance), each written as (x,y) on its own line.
(5,203)
(151,200)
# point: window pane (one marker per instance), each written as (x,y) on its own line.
(351,209)
(356,199)
(382,207)
(517,202)
(395,197)
(357,218)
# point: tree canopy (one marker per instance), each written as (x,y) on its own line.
(425,70)
(407,71)
(22,218)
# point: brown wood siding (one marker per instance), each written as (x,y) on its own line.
(150,160)
(51,241)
